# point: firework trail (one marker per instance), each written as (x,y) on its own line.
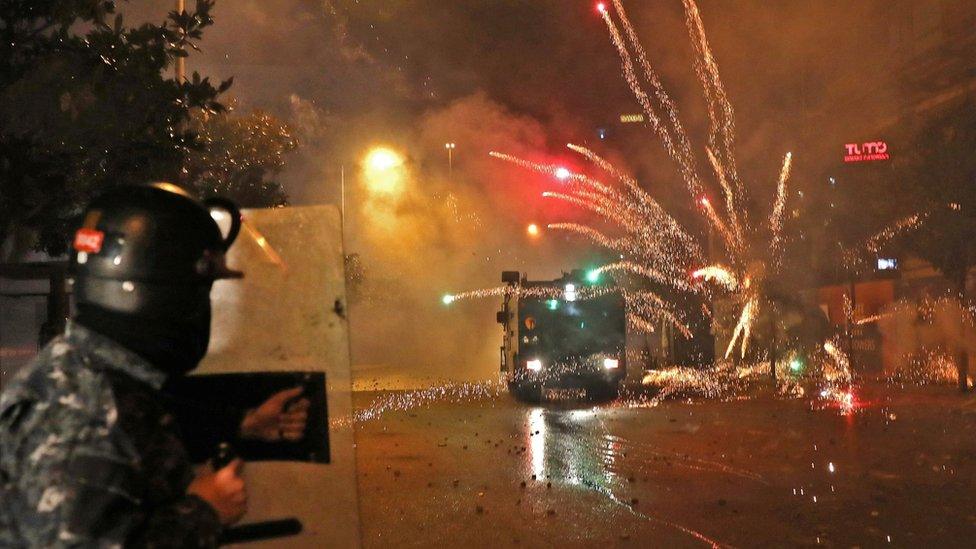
(682,153)
(718,274)
(854,256)
(743,327)
(654,247)
(420,398)
(642,270)
(538,292)
(876,242)
(729,195)
(750,258)
(776,219)
(838,381)
(659,249)
(645,307)
(721,135)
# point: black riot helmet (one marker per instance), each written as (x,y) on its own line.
(152,251)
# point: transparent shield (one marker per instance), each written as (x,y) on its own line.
(286,319)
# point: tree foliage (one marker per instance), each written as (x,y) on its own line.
(938,180)
(237,157)
(85,104)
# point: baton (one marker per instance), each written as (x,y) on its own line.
(257,531)
(254,531)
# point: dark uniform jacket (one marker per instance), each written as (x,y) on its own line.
(90,453)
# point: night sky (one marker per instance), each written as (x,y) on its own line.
(524,78)
(382,65)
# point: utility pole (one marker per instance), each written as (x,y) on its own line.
(342,197)
(180,73)
(773,350)
(180,61)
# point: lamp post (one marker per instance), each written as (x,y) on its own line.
(450,157)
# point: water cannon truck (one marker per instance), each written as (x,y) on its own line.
(567,333)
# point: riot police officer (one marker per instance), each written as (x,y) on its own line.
(91,447)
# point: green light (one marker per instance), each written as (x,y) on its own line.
(448,299)
(796,365)
(553,304)
(593,276)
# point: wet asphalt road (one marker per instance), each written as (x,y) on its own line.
(491,472)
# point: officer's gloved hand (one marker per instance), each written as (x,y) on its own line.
(224,490)
(281,417)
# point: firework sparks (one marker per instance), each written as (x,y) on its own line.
(663,261)
(538,292)
(750,258)
(776,219)
(838,388)
(660,253)
(419,398)
(743,328)
(876,242)
(718,274)
(853,256)
(842,367)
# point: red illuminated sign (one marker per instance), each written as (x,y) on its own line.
(89,240)
(866,152)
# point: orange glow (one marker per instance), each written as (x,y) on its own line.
(533,229)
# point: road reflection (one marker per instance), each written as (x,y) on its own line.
(574,448)
(566,447)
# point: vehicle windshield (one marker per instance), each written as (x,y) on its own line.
(560,328)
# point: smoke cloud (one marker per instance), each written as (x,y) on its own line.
(440,231)
(521,78)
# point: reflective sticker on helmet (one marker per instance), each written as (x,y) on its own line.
(89,241)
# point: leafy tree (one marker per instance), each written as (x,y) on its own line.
(237,157)
(938,181)
(85,105)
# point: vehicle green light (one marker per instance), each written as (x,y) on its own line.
(553,304)
(593,276)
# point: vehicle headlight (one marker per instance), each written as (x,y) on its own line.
(535,365)
(611,363)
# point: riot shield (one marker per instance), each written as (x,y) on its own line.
(284,325)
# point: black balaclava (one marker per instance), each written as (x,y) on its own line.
(172,345)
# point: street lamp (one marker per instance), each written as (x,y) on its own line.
(381,159)
(382,170)
(450,157)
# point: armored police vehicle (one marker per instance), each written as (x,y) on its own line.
(568,333)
